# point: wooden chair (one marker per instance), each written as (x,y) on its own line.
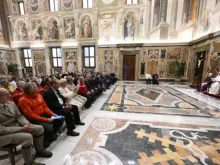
(11,149)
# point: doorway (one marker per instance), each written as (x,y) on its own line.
(199,67)
(129,62)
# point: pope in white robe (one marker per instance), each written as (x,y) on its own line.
(215,87)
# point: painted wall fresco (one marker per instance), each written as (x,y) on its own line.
(161,60)
(6,57)
(67,5)
(107,27)
(34,6)
(1,33)
(214,65)
(129,26)
(22,31)
(109,60)
(70,57)
(69,27)
(86,27)
(37,30)
(53,30)
(39,62)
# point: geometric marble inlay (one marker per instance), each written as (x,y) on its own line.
(87,158)
(148,94)
(104,124)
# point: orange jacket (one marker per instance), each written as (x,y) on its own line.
(33,106)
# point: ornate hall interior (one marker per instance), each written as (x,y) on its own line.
(145,78)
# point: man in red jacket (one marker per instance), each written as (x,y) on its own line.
(37,112)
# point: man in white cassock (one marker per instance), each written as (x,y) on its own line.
(215,87)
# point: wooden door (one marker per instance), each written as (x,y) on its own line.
(129,67)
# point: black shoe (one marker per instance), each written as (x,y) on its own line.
(44,154)
(52,138)
(72,133)
(46,144)
(35,163)
(80,123)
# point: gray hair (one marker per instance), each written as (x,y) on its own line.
(62,81)
(20,82)
(28,86)
(68,79)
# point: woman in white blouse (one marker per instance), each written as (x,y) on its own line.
(72,97)
(75,89)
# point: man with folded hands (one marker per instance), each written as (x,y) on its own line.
(37,112)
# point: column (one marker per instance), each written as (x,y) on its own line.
(163,11)
(18,62)
(148,17)
(174,15)
(194,5)
(47,60)
(204,6)
(156,13)
(186,7)
(200,9)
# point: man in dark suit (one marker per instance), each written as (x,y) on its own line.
(57,103)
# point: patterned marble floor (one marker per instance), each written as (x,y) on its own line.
(137,97)
(110,141)
(150,136)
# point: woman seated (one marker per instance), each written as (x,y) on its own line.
(83,91)
(208,81)
(68,94)
(215,87)
(75,89)
(155,78)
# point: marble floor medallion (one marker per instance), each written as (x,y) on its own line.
(137,97)
(87,158)
(104,124)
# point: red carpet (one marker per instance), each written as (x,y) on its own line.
(217,96)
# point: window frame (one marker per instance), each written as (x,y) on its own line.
(28,58)
(54,5)
(56,57)
(20,8)
(89,57)
(87,7)
(132,2)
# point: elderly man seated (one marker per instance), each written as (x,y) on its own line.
(69,95)
(18,92)
(24,133)
(37,112)
(215,87)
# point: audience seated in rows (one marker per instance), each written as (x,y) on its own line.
(24,134)
(58,104)
(49,112)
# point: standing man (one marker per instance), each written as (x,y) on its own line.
(25,134)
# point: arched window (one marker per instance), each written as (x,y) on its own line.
(53,5)
(132,2)
(87,3)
